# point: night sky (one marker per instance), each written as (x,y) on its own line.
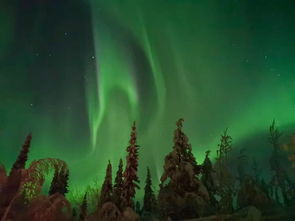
(76,73)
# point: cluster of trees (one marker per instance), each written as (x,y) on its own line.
(187,189)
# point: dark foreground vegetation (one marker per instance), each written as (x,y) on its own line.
(217,189)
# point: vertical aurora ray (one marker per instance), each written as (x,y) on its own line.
(159,86)
(114,73)
(155,68)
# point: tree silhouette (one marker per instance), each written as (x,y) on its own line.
(209,180)
(59,182)
(149,200)
(183,148)
(14,182)
(131,180)
(118,186)
(107,187)
(181,158)
(22,158)
(182,195)
(226,183)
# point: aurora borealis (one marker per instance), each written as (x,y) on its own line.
(77,73)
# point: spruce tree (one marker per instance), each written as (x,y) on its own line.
(65,181)
(131,180)
(226,184)
(180,182)
(118,186)
(180,165)
(107,187)
(184,148)
(22,158)
(209,182)
(225,146)
(149,200)
(59,182)
(54,183)
(83,208)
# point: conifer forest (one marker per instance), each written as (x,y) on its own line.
(147,110)
(217,188)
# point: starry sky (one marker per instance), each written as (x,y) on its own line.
(76,73)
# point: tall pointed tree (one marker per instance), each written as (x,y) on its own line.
(222,162)
(225,146)
(131,181)
(107,187)
(180,163)
(14,180)
(149,200)
(209,181)
(184,148)
(226,182)
(180,182)
(60,181)
(118,186)
(22,158)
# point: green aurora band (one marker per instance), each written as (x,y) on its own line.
(215,64)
